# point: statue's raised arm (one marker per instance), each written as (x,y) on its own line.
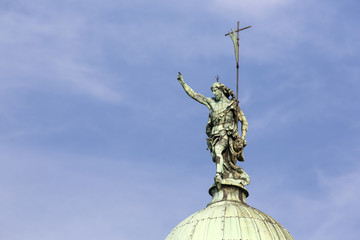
(196,96)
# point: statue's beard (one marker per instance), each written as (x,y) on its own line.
(218,97)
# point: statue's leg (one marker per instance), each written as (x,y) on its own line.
(220,146)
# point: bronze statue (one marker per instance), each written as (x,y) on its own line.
(224,141)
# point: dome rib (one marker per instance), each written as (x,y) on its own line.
(223,221)
(193,229)
(206,231)
(254,222)
(265,220)
(280,230)
(239,222)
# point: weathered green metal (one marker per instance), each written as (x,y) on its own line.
(229,217)
(224,141)
(229,220)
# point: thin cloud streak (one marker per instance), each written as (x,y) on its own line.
(50,54)
(337,208)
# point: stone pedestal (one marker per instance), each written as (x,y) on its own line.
(228,190)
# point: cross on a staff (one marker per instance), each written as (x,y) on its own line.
(238,30)
(236,46)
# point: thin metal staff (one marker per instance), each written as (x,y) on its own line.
(236,47)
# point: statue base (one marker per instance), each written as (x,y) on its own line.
(228,190)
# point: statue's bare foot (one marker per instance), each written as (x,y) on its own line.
(217,177)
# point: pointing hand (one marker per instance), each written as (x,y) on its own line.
(179,77)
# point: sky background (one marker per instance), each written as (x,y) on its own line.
(99,141)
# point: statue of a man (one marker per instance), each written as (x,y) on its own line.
(224,141)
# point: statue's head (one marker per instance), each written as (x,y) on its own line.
(219,90)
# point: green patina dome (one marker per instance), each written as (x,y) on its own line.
(229,221)
(228,217)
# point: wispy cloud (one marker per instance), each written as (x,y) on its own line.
(51,53)
(336,209)
(328,209)
(280,27)
(62,195)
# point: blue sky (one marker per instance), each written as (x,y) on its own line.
(99,141)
